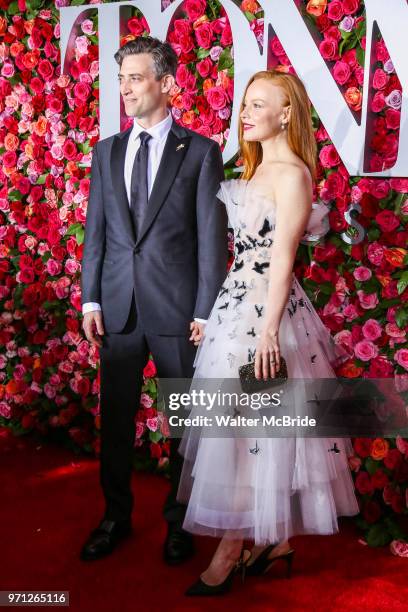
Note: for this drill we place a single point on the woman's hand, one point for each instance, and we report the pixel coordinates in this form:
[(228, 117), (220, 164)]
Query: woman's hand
[(267, 356)]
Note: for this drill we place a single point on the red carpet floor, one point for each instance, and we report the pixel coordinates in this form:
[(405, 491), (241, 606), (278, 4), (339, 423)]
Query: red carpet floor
[(50, 500)]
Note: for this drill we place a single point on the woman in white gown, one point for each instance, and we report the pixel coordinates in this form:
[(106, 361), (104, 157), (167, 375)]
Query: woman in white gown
[(293, 485)]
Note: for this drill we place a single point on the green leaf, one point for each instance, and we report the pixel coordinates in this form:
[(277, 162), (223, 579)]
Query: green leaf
[(155, 436), (41, 179), (13, 8), (202, 53), (402, 283), (14, 195), (360, 54), (401, 317), (371, 465), (378, 535), (225, 59), (249, 16), (80, 235), (73, 229)]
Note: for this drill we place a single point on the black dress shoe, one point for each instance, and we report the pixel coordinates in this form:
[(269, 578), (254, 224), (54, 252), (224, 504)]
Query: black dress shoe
[(178, 546), (104, 539)]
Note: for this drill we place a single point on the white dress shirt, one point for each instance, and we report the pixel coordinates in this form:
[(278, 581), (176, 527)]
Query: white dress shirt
[(158, 133)]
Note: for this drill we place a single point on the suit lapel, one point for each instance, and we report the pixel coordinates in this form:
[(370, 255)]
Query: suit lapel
[(118, 155), (173, 154)]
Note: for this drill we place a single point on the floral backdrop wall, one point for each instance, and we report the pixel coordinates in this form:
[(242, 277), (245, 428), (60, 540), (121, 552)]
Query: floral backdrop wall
[(48, 126)]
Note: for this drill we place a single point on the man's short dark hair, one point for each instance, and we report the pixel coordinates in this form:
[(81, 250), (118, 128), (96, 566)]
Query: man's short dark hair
[(165, 58)]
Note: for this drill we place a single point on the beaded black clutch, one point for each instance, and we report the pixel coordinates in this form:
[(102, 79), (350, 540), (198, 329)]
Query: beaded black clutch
[(250, 383)]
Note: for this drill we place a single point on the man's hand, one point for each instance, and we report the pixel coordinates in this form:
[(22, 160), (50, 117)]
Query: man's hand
[(197, 332), (93, 327)]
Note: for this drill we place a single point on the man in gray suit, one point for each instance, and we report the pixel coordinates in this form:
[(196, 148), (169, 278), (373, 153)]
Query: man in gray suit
[(154, 259)]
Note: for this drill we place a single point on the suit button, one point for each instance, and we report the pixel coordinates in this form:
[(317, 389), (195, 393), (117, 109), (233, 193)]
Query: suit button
[(136, 250)]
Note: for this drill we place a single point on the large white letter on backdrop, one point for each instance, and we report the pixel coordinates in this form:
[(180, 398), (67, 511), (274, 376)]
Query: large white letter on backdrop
[(347, 135)]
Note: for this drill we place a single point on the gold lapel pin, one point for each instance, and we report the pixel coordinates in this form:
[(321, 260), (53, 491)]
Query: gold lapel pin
[(180, 146)]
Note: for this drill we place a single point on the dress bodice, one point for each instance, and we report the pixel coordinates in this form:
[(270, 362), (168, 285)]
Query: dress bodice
[(252, 216)]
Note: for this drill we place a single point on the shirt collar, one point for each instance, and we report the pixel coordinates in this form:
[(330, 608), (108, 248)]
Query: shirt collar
[(158, 131)]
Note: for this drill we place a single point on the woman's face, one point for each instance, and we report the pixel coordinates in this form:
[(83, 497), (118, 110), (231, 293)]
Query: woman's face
[(264, 109)]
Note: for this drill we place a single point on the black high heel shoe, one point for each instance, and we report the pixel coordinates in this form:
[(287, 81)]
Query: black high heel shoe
[(202, 589), (263, 562)]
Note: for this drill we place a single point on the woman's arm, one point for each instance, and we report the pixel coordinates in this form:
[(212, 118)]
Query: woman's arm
[(293, 198)]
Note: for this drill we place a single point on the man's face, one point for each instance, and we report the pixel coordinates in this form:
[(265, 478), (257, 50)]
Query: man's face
[(142, 94)]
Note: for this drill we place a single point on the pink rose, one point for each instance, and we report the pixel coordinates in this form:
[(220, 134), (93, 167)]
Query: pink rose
[(354, 463), (392, 118), (341, 72), (5, 410), (204, 35), (399, 548), (378, 102), (336, 11), (152, 424), (401, 357), (402, 445), (328, 49), (380, 79), (204, 67), (350, 312), (226, 36), (139, 429), (365, 350), (362, 273), (217, 97), (375, 253), (371, 329), (367, 300), (329, 156)]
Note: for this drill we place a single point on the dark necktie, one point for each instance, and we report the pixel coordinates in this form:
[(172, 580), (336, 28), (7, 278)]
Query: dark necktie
[(138, 185)]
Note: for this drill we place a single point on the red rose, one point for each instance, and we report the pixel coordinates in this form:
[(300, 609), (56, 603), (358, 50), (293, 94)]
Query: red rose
[(137, 26), (82, 91), (363, 483), (155, 450), (69, 149), (9, 159), (392, 459), (226, 36), (392, 118), (195, 8), (276, 47), (45, 69), (150, 370), (397, 503), (351, 6), (387, 220), (182, 75), (371, 511), (379, 479), (363, 446)]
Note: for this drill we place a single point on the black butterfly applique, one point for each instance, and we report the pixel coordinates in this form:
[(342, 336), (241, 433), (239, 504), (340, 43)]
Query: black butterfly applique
[(255, 450), (239, 247), (223, 290), (239, 297), (224, 306), (251, 332), (238, 265), (259, 310), (294, 307), (260, 267), (266, 228), (335, 449)]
